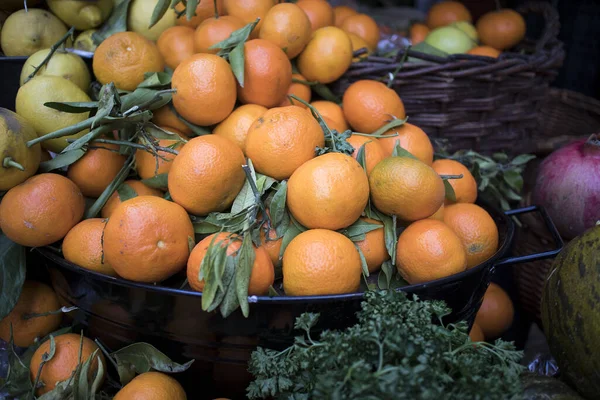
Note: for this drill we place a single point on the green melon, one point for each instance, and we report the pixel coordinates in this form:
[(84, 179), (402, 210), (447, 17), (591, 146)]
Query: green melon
[(571, 312), (541, 387)]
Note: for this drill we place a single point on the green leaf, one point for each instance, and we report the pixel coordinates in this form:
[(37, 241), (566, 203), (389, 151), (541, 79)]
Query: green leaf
[(291, 232), (391, 237), (81, 384), (245, 198), (236, 60), (160, 133), (326, 93), (190, 8), (63, 390), (224, 279), (522, 159), (108, 103), (450, 194), (117, 22), (277, 205), (229, 302), (361, 158), (394, 123), (500, 157), (73, 107), (400, 151), (12, 273), (424, 47), (98, 380), (18, 379), (142, 357), (243, 272), (159, 181), (126, 192), (89, 137), (513, 179), (363, 262), (110, 189), (160, 9), (386, 275), (62, 160), (236, 37), (145, 98), (156, 80), (212, 263), (360, 228)]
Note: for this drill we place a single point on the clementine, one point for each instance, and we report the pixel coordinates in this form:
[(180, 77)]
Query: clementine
[(418, 32), (83, 246), (137, 186), (501, 29), (412, 139), (204, 10), (363, 26), (299, 89), (97, 168), (152, 385), (373, 247), (248, 11), (287, 26), (165, 116), (175, 45), (214, 30), (446, 12), (465, 188), (373, 151), (327, 56), (496, 313), (152, 162), (334, 113), (485, 51), (319, 12), (235, 127), (340, 13)]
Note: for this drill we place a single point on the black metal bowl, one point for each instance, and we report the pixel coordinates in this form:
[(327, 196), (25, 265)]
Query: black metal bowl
[(120, 312)]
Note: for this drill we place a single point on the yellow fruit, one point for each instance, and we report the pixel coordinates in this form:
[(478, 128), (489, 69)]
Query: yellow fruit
[(467, 28), (24, 33), (82, 14), (140, 14), (30, 105), (84, 41), (15, 131), (67, 65)]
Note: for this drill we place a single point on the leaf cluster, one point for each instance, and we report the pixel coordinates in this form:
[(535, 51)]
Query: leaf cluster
[(398, 350)]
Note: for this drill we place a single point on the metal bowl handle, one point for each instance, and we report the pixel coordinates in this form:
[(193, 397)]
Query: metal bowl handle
[(558, 242)]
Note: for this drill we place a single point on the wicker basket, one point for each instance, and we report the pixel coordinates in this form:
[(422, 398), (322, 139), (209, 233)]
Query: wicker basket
[(565, 116), (476, 102)]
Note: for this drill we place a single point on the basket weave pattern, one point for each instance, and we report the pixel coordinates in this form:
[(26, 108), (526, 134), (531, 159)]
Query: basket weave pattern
[(476, 102)]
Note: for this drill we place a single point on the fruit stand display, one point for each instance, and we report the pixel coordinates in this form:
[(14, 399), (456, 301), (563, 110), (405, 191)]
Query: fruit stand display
[(253, 199)]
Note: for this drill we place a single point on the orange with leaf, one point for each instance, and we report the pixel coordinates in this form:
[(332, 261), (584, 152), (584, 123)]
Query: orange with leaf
[(97, 168), (204, 10), (333, 113), (411, 138), (158, 157), (214, 30), (465, 188), (138, 187), (373, 246), (373, 152), (248, 11)]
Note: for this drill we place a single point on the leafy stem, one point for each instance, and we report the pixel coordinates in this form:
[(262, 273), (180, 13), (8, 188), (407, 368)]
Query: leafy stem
[(55, 312), (53, 49), (135, 145)]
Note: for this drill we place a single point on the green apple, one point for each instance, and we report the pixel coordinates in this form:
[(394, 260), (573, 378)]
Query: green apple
[(450, 40)]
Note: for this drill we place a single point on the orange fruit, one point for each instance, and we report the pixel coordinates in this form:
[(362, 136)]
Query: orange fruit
[(152, 386), (204, 82), (373, 246), (363, 26), (327, 56), (446, 12), (214, 30), (501, 29), (236, 126), (166, 117), (340, 13), (248, 11), (334, 114), (149, 164), (486, 51), (475, 228), (83, 246), (147, 238), (287, 26), (271, 244), (204, 10), (321, 262), (429, 250), (373, 151), (175, 45), (263, 273), (97, 168), (496, 313), (476, 333), (465, 188), (138, 187), (35, 298), (207, 174), (418, 32), (124, 57), (407, 188), (319, 12), (65, 361), (267, 74), (412, 139), (357, 44), (283, 139), (439, 214), (41, 210), (300, 90), (329, 192), (368, 105)]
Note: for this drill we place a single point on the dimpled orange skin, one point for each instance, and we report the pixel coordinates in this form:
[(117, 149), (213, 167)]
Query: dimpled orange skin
[(139, 188), (368, 105), (152, 386), (328, 192), (321, 262), (205, 87), (214, 30), (475, 228), (236, 126), (83, 246), (501, 29), (429, 250), (146, 239), (373, 247), (334, 112), (319, 12), (373, 151), (35, 298), (176, 44), (407, 188), (496, 313), (283, 139), (41, 210), (96, 169), (204, 10), (412, 139), (363, 26), (298, 89), (65, 360), (340, 13), (263, 272), (267, 74), (288, 26), (327, 56), (124, 57), (446, 12), (248, 11), (207, 174), (465, 188)]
